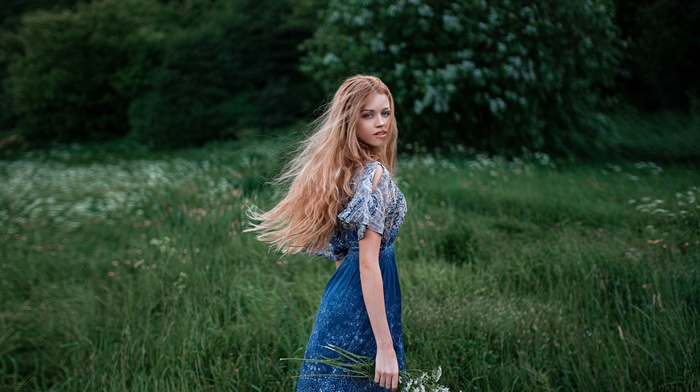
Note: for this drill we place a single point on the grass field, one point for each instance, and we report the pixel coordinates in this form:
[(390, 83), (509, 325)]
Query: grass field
[(129, 271)]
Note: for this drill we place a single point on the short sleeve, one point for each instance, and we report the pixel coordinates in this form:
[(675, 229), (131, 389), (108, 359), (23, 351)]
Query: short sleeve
[(366, 209)]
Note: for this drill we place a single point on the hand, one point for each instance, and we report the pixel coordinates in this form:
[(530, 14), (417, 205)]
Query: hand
[(386, 371)]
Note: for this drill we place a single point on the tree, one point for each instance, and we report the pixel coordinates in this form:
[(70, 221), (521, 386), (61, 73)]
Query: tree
[(76, 71), (659, 70), (498, 75), (10, 18), (237, 70)]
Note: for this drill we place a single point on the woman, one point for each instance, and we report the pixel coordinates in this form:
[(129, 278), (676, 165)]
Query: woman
[(343, 204)]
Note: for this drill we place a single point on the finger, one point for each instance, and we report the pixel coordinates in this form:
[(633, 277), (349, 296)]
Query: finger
[(383, 382), (376, 377), (387, 382), (395, 383)]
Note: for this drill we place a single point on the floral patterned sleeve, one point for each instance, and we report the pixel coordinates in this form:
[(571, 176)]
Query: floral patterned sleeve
[(367, 208)]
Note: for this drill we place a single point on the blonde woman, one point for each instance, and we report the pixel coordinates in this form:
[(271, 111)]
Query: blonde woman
[(344, 204)]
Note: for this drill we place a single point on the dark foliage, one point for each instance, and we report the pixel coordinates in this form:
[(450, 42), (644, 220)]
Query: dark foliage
[(234, 72), (497, 75), (74, 72), (660, 68)]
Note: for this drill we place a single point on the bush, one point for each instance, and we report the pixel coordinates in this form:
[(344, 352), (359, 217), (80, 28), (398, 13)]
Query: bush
[(457, 245), (111, 67), (181, 105), (235, 71), (497, 75), (10, 17), (658, 70), (76, 71)]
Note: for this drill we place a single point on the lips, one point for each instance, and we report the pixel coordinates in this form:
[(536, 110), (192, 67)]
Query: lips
[(381, 134)]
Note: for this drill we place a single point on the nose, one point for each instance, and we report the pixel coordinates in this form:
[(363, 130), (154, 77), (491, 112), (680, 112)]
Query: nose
[(380, 121)]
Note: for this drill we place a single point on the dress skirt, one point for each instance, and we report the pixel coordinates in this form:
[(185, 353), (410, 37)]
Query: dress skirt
[(343, 321)]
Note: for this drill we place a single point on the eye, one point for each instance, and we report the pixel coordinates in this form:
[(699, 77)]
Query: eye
[(386, 114), (367, 115)]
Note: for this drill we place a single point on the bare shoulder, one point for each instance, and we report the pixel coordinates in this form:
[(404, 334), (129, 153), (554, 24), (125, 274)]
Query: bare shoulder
[(377, 176)]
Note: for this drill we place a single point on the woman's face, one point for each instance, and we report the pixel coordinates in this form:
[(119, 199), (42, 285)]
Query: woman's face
[(375, 117)]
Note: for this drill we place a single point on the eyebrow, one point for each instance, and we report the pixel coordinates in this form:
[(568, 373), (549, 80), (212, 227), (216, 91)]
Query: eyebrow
[(371, 110)]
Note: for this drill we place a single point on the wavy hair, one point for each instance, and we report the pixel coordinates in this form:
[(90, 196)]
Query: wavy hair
[(320, 173)]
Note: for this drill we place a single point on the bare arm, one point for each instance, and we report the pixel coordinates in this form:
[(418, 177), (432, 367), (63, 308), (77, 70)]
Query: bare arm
[(386, 372)]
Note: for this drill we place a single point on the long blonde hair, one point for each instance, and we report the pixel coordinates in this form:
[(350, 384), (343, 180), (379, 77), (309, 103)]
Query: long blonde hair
[(321, 172)]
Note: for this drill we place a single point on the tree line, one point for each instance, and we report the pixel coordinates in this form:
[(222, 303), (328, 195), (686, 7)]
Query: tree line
[(494, 75)]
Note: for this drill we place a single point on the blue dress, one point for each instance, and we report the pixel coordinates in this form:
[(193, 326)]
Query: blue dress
[(342, 318)]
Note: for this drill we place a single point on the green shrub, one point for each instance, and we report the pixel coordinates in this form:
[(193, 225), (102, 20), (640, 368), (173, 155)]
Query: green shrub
[(658, 71), (236, 71), (182, 103), (12, 10), (497, 75), (176, 73), (76, 71), (457, 245)]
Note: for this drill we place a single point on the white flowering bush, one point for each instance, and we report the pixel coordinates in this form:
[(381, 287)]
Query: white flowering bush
[(491, 74)]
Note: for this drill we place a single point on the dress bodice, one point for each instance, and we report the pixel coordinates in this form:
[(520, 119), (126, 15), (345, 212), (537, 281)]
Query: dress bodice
[(382, 210)]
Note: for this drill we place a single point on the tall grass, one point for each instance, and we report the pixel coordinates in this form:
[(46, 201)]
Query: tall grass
[(131, 272)]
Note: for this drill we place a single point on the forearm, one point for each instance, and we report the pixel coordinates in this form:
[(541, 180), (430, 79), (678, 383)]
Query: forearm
[(373, 293)]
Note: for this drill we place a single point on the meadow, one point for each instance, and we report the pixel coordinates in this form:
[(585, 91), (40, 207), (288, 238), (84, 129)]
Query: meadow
[(127, 270)]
